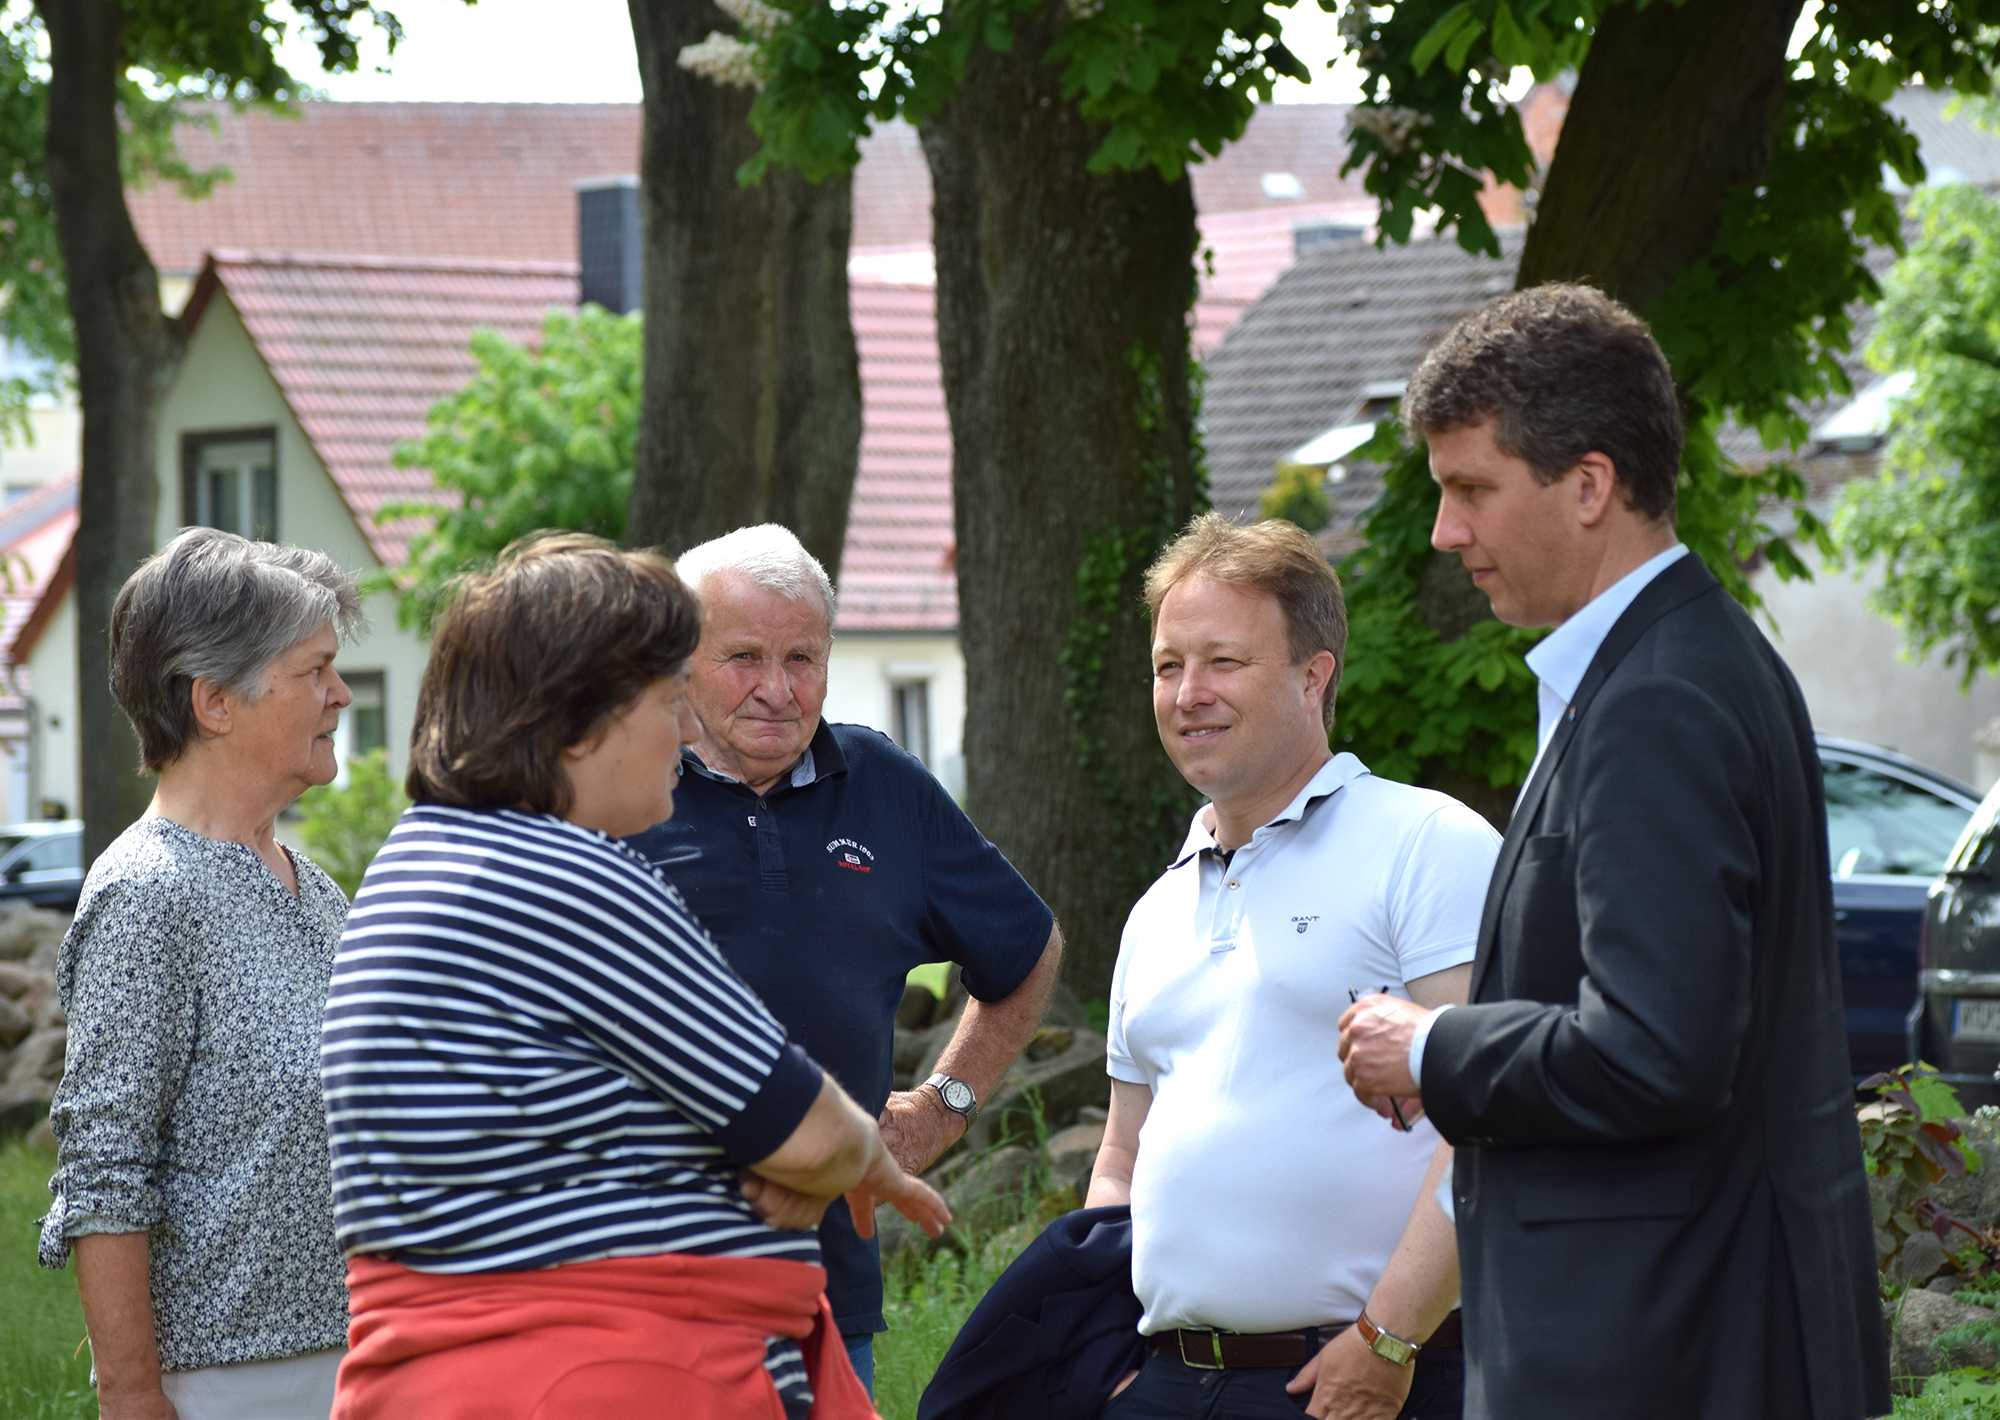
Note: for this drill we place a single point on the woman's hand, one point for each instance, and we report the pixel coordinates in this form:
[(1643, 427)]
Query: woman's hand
[(780, 1206), (885, 1182)]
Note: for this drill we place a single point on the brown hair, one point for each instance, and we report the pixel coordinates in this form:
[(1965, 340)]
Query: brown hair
[(1274, 557), (1563, 371), (536, 655)]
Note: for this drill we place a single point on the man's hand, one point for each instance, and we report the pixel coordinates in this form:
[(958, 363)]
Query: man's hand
[(142, 1405), (1375, 1034), (780, 1206), (886, 1182), (1350, 1382), (917, 1127)]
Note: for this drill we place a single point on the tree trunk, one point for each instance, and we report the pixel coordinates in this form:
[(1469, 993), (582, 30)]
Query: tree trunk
[(1062, 325), (752, 406), (127, 349), (1675, 106)]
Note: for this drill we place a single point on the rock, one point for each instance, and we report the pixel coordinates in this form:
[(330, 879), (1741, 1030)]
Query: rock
[(50, 1013), (1047, 1043), (1066, 1081), (24, 930), (43, 957), (17, 981), (898, 1234), (1922, 1319), (1921, 1257), (21, 1108), (1975, 1197), (1065, 1008), (15, 1022), (39, 1057), (1072, 1154), (995, 1190), (42, 1137), (935, 1040), (919, 1008), (908, 1053), (1091, 1114)]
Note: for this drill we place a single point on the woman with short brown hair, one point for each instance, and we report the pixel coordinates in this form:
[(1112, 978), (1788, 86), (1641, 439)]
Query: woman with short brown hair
[(542, 1081)]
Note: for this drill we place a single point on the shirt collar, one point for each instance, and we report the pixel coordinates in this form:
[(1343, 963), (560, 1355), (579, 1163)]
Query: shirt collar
[(1561, 658), (1333, 776), (822, 760)]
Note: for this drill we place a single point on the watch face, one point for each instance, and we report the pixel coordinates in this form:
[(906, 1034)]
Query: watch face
[(957, 1094)]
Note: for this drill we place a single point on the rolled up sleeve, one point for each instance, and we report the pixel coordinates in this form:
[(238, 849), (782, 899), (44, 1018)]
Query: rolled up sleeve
[(132, 1021)]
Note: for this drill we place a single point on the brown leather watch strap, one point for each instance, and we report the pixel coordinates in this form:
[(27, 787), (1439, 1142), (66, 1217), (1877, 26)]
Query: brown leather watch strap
[(1227, 1350)]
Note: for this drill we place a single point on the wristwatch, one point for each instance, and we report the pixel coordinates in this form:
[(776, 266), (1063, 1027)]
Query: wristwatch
[(1393, 1349), (958, 1096)]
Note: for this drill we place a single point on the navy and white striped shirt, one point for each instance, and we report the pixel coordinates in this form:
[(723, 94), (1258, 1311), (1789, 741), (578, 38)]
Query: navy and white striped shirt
[(533, 1054)]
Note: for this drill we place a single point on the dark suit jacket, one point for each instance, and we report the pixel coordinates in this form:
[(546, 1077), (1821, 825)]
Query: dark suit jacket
[(1660, 1198), (1053, 1334)]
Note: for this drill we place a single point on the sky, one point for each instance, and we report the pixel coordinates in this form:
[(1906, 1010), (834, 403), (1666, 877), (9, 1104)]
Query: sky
[(508, 51)]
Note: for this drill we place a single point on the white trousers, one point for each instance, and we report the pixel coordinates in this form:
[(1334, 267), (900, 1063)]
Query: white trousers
[(296, 1388)]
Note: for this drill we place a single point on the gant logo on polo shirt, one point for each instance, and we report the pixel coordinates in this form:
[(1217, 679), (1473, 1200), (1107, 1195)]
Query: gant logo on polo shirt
[(849, 854), (1301, 923)]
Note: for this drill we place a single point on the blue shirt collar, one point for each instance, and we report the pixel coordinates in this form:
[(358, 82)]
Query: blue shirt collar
[(821, 760), (1560, 659)]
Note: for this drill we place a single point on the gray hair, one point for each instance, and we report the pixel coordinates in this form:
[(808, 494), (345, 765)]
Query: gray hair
[(217, 607), (770, 557)]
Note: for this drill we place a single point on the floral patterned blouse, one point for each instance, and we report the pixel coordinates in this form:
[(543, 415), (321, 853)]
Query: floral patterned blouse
[(189, 1107)]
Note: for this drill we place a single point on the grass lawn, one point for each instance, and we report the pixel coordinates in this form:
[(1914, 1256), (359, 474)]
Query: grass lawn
[(925, 1303), (42, 1376)]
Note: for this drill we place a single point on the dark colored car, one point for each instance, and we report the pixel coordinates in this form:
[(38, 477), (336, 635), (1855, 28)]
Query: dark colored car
[(1890, 825), (42, 863), (1957, 1027)]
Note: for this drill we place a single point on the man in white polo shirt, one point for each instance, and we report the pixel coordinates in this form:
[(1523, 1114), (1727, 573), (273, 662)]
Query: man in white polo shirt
[(1284, 1242)]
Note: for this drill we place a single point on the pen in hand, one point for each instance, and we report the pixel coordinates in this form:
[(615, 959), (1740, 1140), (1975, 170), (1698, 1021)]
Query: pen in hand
[(1394, 1108)]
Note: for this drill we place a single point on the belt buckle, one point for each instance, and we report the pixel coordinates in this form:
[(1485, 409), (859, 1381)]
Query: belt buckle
[(1215, 1344)]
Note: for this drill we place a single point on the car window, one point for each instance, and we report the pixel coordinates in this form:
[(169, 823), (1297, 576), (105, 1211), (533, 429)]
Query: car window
[(63, 850), (1877, 825)]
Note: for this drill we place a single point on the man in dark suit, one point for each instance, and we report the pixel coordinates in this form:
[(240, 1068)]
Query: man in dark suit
[(1658, 1188)]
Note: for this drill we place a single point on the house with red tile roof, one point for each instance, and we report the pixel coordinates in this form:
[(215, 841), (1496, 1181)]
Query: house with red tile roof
[(335, 280)]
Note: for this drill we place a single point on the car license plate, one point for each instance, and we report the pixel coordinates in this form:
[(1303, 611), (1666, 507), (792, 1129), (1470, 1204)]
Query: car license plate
[(1976, 1020)]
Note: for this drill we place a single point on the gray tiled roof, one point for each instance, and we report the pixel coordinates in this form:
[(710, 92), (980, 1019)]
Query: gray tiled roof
[(1347, 315), (1342, 317)]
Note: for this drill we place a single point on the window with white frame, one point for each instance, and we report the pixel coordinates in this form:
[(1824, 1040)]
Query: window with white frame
[(230, 481), (910, 716), (364, 725)]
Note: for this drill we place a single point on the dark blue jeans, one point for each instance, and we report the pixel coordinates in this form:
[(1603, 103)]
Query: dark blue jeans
[(861, 1355), (1170, 1389)]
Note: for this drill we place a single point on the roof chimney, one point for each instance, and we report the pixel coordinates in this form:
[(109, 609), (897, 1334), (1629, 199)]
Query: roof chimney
[(607, 242)]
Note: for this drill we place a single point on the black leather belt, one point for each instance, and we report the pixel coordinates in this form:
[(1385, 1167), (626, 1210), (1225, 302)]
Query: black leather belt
[(1229, 1350)]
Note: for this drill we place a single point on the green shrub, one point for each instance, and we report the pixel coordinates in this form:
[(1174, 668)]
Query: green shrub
[(1299, 495), (345, 825), (1967, 1394)]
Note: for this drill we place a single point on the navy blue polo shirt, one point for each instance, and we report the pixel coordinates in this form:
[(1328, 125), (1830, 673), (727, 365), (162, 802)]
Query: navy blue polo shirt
[(823, 892)]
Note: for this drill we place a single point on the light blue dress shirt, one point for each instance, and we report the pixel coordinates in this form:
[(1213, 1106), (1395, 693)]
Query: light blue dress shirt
[(1560, 661)]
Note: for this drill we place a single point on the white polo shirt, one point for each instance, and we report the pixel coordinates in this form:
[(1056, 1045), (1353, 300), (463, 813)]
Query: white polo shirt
[(1265, 1196)]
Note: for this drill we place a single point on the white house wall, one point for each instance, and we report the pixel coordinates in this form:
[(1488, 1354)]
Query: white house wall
[(52, 708), (1858, 685), (862, 670), (224, 385)]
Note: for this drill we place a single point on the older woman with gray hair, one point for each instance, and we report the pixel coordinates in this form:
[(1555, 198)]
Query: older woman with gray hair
[(192, 1182)]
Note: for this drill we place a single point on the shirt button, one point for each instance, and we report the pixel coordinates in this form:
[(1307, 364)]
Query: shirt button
[(1234, 884)]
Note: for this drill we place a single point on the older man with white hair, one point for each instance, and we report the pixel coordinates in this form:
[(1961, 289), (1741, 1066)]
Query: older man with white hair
[(827, 862)]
